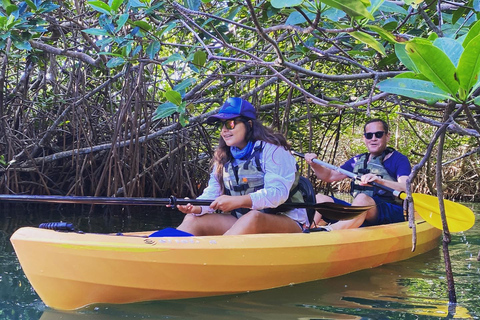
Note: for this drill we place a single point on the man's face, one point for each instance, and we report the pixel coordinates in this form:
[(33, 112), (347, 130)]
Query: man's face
[(376, 145)]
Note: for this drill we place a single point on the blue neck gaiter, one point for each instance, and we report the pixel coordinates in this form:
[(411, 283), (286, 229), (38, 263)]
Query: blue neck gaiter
[(243, 153)]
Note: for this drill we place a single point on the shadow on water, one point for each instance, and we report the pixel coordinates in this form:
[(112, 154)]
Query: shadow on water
[(411, 289)]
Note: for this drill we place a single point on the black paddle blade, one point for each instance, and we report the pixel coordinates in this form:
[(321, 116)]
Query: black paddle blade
[(335, 211), (330, 210)]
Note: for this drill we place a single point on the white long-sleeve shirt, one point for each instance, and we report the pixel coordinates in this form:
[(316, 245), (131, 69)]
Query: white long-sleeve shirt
[(279, 167)]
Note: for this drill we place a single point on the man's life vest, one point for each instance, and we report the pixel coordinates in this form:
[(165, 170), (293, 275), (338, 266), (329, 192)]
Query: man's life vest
[(375, 166), (247, 176)]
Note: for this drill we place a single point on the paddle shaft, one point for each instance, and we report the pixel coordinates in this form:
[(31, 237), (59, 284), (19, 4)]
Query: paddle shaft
[(396, 193), (172, 201)]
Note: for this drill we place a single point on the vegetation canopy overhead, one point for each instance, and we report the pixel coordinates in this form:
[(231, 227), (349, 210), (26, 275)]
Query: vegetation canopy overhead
[(109, 97)]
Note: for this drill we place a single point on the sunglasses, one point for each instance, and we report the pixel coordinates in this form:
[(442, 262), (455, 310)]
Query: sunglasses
[(378, 134), (229, 124)]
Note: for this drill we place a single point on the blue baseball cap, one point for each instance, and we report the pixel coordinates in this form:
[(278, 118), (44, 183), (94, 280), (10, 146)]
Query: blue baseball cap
[(232, 108)]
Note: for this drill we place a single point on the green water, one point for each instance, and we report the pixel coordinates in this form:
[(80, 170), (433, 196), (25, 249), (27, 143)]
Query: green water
[(412, 289)]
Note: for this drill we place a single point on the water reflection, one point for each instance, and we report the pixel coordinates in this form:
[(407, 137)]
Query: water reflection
[(412, 289)]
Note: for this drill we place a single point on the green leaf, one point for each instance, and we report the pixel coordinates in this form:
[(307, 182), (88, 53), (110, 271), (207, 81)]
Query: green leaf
[(404, 58), (334, 14), (116, 4), (153, 49), (11, 8), (297, 18), (453, 49), (415, 89), (122, 19), (111, 54), (6, 3), (164, 110), (22, 45), (143, 25), (368, 40), (101, 7), (469, 65), (353, 8), (389, 7), (185, 84), (136, 4), (411, 75), (472, 33), (115, 62), (169, 27), (476, 101), (199, 58), (174, 97), (193, 4), (96, 32), (183, 119), (390, 59), (174, 57), (279, 4), (382, 33), (434, 64), (374, 6)]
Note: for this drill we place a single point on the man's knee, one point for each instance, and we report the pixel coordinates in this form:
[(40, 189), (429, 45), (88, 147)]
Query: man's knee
[(363, 200)]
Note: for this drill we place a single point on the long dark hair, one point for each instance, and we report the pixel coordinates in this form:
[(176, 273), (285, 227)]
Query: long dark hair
[(255, 131)]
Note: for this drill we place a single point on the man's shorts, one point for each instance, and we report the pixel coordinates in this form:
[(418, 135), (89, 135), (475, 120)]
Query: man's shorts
[(387, 212)]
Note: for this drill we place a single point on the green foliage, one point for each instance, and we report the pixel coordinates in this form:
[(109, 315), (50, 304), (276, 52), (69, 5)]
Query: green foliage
[(451, 69), (23, 22), (174, 104), (369, 40)]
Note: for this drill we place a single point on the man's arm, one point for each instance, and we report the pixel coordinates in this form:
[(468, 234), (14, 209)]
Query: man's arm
[(322, 173)]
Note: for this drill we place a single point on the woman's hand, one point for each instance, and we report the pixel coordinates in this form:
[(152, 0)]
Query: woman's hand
[(189, 208), (228, 203)]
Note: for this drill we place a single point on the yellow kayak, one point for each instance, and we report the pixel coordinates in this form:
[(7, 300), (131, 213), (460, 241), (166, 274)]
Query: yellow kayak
[(71, 270)]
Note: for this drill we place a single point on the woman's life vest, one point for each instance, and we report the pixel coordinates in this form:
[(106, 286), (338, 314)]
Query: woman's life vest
[(375, 166), (247, 176)]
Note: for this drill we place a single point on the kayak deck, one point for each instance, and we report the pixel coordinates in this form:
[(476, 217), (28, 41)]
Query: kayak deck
[(72, 270)]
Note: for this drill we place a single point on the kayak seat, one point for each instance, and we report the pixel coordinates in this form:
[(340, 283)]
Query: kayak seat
[(306, 189)]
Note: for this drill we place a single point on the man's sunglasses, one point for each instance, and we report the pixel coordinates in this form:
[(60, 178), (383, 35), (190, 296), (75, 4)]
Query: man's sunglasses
[(229, 124), (378, 134)]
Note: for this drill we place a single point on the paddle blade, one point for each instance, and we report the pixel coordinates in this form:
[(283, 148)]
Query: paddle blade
[(335, 211), (459, 217)]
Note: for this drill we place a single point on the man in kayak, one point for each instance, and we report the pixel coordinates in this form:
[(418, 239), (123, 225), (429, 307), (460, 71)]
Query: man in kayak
[(381, 164), (253, 173)]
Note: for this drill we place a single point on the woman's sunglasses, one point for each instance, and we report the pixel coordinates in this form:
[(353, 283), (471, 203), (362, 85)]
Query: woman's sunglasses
[(378, 134), (229, 124)]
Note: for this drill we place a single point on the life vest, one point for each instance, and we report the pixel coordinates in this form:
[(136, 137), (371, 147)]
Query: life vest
[(375, 166), (247, 176)]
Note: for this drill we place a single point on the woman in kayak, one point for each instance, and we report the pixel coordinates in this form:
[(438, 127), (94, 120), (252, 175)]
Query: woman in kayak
[(253, 173)]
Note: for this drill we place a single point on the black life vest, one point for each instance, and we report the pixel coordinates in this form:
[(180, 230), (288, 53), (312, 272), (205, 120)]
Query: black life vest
[(375, 166)]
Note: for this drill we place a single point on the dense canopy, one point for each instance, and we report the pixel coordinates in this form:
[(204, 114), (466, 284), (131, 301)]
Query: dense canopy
[(109, 97)]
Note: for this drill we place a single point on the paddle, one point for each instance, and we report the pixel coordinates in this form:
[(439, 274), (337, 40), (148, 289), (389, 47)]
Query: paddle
[(459, 217), (330, 210)]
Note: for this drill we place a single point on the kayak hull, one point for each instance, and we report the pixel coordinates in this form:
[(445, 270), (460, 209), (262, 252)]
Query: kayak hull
[(71, 270)]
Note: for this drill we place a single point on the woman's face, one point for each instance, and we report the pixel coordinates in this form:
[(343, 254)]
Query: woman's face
[(234, 132)]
